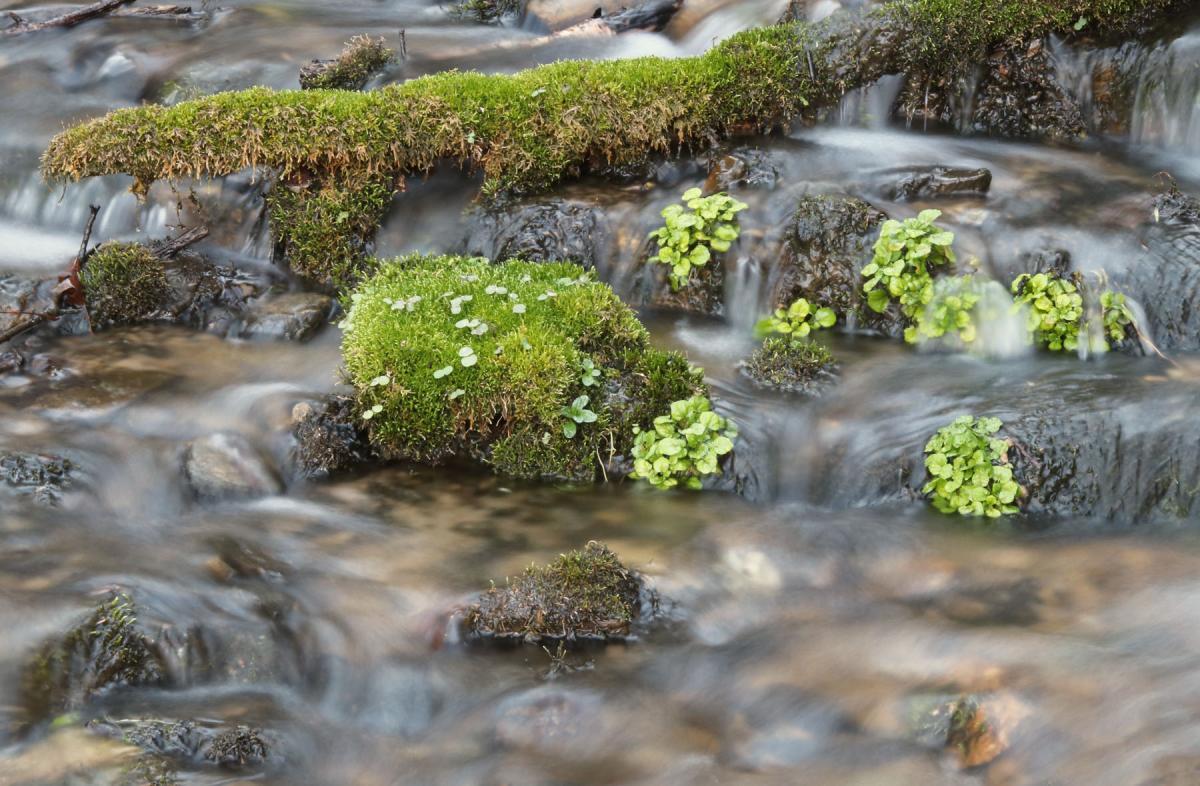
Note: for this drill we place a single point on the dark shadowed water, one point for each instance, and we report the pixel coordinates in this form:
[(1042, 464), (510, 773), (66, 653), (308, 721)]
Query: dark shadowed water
[(800, 629)]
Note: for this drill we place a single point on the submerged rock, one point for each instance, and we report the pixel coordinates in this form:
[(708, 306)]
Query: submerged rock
[(105, 651), (190, 743), (40, 475), (329, 438), (294, 316), (550, 230), (828, 242), (932, 182), (586, 594), (975, 728), (224, 466), (791, 367), (746, 167)]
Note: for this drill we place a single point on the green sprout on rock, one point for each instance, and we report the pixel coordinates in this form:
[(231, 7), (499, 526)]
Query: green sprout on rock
[(689, 237), (797, 321), (591, 374), (683, 446), (969, 472), (1055, 309), (950, 311), (576, 414), (905, 255)]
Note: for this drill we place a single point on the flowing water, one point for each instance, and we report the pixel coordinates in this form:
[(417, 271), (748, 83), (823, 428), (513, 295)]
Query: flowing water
[(802, 623)]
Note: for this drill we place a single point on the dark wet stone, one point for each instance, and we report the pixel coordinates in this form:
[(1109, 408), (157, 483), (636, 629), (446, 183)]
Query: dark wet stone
[(224, 466), (704, 293), (104, 651), (40, 475), (1175, 207), (586, 594), (1165, 277), (932, 182), (237, 558), (554, 230), (828, 241), (206, 296), (328, 437), (745, 167), (11, 361), (295, 316), (1002, 603)]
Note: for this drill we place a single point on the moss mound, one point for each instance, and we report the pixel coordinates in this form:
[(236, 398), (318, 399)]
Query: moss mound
[(103, 651), (124, 284), (362, 58), (534, 368), (790, 366), (585, 594)]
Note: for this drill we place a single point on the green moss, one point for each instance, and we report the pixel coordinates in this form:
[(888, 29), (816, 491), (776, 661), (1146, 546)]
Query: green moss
[(362, 58), (487, 10), (104, 650), (124, 283), (460, 357), (791, 366), (583, 594), (324, 231)]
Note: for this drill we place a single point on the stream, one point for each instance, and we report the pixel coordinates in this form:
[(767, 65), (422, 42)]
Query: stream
[(805, 621)]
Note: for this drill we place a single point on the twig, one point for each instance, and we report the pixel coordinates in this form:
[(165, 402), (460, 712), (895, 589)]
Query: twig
[(166, 249), (155, 11), (69, 19), (20, 327)]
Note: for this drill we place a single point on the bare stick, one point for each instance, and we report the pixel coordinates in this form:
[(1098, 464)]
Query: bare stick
[(165, 249), (69, 19)]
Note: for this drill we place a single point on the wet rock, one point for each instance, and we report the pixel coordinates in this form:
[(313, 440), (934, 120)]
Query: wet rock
[(11, 361), (552, 721), (1017, 96), (238, 559), (704, 293), (1016, 602), (225, 466), (295, 316), (195, 744), (105, 651), (827, 243), (328, 437), (747, 167), (1175, 207), (42, 476), (586, 594), (21, 296), (780, 364), (101, 392), (1165, 277), (237, 747), (208, 297), (976, 729), (553, 230), (932, 182), (561, 14)]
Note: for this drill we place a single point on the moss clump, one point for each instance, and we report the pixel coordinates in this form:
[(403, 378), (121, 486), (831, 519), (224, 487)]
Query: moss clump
[(790, 366), (453, 356), (124, 284), (324, 231), (362, 58), (238, 747), (487, 10), (585, 594), (103, 651)]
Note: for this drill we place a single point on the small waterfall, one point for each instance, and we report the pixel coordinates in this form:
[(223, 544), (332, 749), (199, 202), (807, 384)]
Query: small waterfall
[(871, 106), (745, 300)]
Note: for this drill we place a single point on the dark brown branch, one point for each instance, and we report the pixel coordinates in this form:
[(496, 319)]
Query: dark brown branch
[(67, 20), (165, 249)]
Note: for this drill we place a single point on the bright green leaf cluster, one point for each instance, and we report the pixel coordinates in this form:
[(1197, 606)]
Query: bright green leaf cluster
[(1055, 309), (683, 446), (797, 320), (968, 468), (905, 254), (950, 311), (690, 236), (1117, 316)]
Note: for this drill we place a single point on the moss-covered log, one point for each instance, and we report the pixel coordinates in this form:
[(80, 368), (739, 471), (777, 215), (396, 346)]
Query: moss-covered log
[(529, 130)]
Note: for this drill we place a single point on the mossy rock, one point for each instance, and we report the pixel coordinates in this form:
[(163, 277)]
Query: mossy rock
[(487, 10), (362, 58), (104, 651), (457, 357), (124, 284), (584, 594), (790, 366)]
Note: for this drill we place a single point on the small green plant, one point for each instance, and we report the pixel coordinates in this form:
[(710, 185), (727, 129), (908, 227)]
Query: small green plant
[(683, 446), (1055, 309), (1118, 318), (690, 236), (905, 254), (576, 413), (790, 365), (950, 311), (968, 468), (797, 321), (590, 374)]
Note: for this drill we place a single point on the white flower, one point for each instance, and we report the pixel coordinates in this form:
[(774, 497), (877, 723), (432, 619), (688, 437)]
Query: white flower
[(372, 412), (518, 308), (382, 379), (456, 393), (443, 371)]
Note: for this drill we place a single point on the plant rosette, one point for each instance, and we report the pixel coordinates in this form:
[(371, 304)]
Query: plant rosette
[(693, 233), (1055, 309), (797, 321), (683, 446), (968, 468), (904, 257)]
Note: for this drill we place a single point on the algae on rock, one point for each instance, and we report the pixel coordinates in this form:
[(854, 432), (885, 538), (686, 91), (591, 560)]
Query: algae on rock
[(584, 594), (458, 357)]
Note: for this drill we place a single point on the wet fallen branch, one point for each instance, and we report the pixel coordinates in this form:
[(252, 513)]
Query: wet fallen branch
[(71, 19)]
